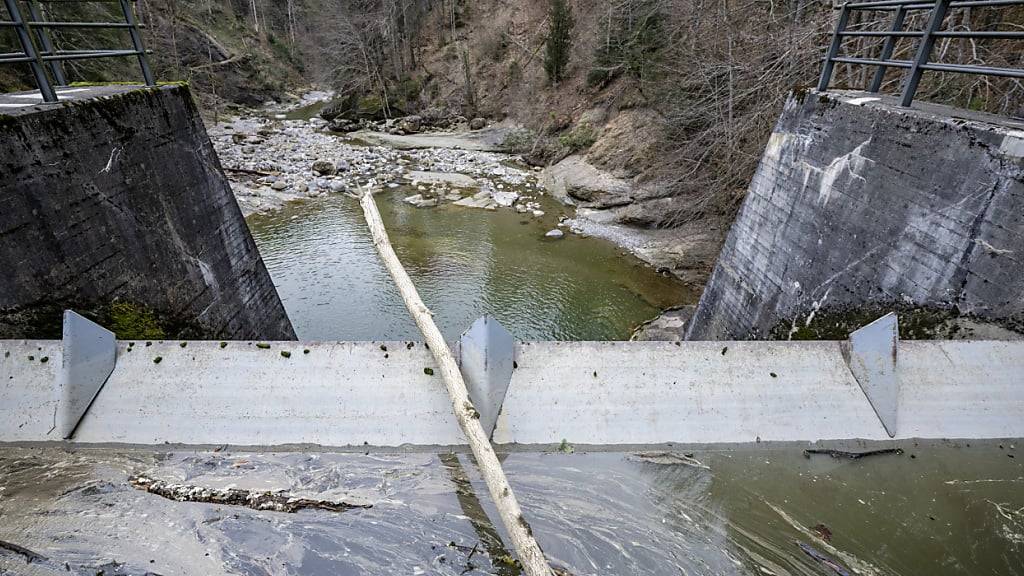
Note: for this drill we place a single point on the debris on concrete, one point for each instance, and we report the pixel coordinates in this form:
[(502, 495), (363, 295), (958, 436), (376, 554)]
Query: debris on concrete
[(851, 455), (276, 501)]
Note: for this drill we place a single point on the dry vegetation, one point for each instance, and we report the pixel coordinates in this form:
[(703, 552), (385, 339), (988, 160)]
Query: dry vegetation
[(680, 94)]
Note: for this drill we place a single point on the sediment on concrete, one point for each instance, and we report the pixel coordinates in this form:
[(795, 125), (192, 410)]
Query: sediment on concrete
[(860, 203), (122, 199)]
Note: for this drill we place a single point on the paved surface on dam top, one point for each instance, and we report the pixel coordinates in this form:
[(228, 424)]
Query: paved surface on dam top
[(16, 103), (930, 109), (937, 508)]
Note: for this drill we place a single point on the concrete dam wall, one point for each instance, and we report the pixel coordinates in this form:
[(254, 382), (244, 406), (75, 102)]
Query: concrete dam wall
[(859, 204), (121, 199)]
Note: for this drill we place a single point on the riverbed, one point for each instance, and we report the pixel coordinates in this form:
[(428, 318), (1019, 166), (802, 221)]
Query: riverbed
[(508, 252)]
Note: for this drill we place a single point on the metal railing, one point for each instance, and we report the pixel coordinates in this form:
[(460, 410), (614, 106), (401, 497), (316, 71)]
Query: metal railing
[(42, 56), (922, 60)]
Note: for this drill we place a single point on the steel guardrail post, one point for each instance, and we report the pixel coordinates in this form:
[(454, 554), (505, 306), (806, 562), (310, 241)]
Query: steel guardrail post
[(36, 62), (924, 51), (133, 30), (833, 50), (56, 67), (887, 49)]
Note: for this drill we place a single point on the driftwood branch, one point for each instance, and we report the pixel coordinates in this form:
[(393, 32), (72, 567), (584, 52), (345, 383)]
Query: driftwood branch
[(28, 555), (852, 455), (257, 500), (246, 171), (530, 554)]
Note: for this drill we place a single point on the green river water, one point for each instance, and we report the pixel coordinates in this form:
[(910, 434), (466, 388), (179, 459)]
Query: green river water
[(465, 263)]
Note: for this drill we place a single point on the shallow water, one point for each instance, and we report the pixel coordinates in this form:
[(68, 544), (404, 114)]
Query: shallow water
[(465, 263), (940, 508)]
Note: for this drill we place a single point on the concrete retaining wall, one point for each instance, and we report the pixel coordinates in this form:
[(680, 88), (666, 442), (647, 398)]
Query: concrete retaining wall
[(858, 202), (122, 198)]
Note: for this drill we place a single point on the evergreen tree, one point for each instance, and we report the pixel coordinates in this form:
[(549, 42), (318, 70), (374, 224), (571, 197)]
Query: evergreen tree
[(559, 40)]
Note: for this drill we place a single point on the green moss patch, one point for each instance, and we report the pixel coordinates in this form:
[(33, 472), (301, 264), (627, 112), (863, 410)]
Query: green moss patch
[(130, 321)]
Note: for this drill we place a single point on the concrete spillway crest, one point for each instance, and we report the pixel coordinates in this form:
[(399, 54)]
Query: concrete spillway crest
[(88, 359), (872, 360)]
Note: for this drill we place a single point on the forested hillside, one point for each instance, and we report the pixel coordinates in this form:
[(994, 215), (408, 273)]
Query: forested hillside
[(677, 95)]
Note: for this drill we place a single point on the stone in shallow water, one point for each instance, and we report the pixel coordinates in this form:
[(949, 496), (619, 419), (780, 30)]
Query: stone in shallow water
[(505, 199), (555, 233), (449, 178), (419, 201), (473, 202)]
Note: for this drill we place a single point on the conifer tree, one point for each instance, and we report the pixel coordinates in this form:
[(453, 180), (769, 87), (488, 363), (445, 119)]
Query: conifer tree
[(559, 42)]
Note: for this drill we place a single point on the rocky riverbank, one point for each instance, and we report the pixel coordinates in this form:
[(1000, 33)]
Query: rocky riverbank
[(271, 161)]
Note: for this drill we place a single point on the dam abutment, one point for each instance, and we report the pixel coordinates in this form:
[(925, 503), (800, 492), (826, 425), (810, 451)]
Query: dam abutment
[(114, 202), (859, 204)]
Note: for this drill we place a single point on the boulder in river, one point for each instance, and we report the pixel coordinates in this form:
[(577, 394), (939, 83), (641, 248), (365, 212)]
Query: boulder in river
[(554, 233), (410, 124), (419, 201), (484, 202), (450, 178), (324, 167), (574, 179), (505, 198)]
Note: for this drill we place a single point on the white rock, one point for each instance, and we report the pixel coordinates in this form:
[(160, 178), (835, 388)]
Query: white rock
[(538, 213), (449, 178), (554, 233), (505, 199)]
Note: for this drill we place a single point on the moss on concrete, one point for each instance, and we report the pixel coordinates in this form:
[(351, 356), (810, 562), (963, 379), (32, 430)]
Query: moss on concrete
[(929, 323), (130, 321)]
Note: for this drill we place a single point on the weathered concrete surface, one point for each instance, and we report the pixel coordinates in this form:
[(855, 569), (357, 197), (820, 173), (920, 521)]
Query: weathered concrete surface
[(348, 394), (858, 202), (122, 198)]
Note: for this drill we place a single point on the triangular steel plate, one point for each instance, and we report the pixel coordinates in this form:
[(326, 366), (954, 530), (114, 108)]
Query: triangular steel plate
[(872, 360), (485, 355), (89, 355)]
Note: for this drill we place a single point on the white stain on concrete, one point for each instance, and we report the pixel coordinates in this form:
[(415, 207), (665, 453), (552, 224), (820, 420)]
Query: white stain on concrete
[(992, 249), (773, 150), (1013, 144), (851, 164), (114, 155), (816, 305), (862, 101)]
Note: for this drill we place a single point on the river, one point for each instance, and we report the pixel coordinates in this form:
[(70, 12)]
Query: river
[(466, 262)]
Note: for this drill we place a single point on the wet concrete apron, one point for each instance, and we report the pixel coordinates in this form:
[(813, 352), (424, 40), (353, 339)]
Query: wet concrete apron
[(941, 508)]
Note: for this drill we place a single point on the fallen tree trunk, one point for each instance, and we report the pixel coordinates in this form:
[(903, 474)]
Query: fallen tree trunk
[(529, 552)]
